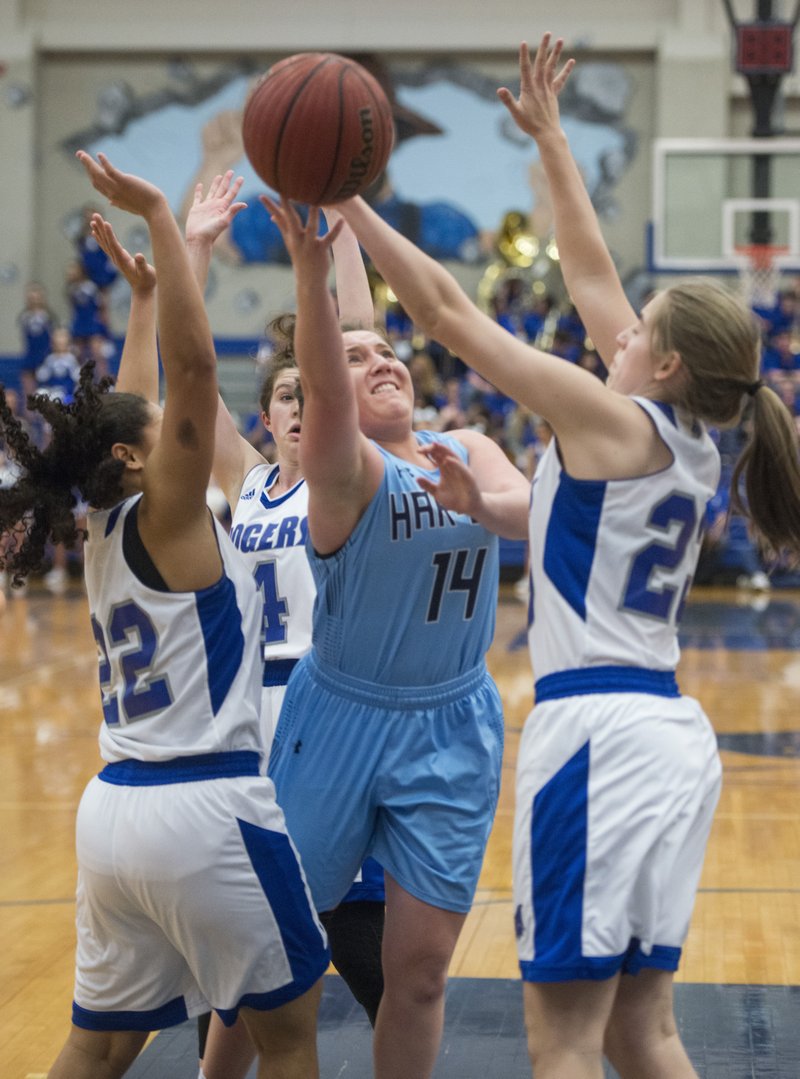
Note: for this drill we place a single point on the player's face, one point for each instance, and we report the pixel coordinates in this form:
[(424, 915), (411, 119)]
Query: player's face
[(283, 419), (382, 383), (633, 365)]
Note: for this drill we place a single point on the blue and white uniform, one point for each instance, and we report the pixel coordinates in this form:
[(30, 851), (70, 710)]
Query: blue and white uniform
[(85, 300), (181, 826), (270, 532), (36, 327), (391, 731), (57, 375), (618, 774), (98, 266)]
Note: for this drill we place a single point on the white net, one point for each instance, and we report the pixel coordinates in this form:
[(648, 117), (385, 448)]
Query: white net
[(759, 274)]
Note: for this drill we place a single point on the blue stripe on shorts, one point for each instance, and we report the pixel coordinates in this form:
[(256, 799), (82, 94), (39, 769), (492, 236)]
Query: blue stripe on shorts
[(168, 1015), (558, 859), (559, 835), (278, 872), (611, 679), (277, 671), (135, 773)]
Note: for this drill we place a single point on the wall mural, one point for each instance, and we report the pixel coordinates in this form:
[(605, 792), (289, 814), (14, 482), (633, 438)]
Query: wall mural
[(459, 164), (459, 167)]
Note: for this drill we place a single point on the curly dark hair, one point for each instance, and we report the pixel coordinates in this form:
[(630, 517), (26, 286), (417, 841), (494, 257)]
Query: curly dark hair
[(39, 506)]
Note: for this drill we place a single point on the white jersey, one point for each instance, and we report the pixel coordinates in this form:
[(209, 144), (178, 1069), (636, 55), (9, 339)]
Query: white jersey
[(178, 673), (611, 561), (270, 533)]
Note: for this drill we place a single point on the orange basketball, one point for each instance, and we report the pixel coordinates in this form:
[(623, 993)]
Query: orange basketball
[(318, 128)]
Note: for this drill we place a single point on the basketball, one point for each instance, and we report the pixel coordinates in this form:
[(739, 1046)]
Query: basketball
[(318, 128)]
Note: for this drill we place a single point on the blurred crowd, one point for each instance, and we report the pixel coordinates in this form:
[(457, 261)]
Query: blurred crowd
[(447, 394)]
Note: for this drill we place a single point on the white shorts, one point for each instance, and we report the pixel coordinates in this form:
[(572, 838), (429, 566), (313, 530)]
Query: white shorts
[(271, 702), (190, 897), (273, 690), (615, 797)]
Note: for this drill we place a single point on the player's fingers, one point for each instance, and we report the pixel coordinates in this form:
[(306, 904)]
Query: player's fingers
[(107, 167), (94, 171), (510, 102), (436, 450), (563, 75), (540, 58), (525, 66), (275, 208), (553, 57), (104, 235), (334, 231), (235, 187)]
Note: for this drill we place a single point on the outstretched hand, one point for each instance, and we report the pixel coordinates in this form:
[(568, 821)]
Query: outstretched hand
[(309, 251), (211, 214), (122, 189), (456, 490), (541, 81), (136, 270)]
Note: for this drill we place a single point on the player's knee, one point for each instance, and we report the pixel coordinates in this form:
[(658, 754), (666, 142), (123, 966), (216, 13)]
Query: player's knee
[(421, 977), (630, 1040), (110, 1053)]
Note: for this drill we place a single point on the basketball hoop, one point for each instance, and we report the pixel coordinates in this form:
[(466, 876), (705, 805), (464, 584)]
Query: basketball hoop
[(760, 273)]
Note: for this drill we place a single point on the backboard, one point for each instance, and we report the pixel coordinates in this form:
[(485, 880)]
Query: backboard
[(704, 209)]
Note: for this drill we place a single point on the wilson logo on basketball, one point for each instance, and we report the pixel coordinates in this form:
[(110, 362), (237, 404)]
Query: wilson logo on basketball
[(318, 129), (359, 166)]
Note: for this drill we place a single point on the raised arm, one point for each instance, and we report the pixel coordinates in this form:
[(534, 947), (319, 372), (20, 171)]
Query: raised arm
[(138, 365), (602, 433), (589, 272), (208, 218), (342, 468), (438, 305), (353, 294), (173, 519)]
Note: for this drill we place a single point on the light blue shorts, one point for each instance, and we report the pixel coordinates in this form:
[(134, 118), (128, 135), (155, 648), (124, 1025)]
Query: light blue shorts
[(408, 775)]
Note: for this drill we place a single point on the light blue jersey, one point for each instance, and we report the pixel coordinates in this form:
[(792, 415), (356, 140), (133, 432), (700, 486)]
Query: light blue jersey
[(410, 598), (390, 738), (270, 532)]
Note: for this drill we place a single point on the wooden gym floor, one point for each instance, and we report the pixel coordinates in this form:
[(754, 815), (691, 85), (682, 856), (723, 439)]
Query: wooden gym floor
[(741, 658)]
